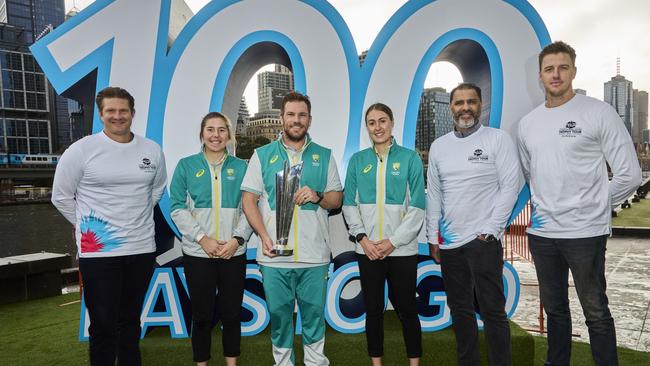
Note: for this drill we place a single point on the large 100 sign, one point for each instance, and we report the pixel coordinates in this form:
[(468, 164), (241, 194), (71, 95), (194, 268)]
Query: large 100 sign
[(178, 70)]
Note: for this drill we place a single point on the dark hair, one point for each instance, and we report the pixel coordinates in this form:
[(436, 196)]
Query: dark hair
[(114, 92), (466, 86), (379, 107), (294, 96), (211, 115), (557, 47)]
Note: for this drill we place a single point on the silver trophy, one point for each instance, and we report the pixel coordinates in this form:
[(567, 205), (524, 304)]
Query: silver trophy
[(287, 182)]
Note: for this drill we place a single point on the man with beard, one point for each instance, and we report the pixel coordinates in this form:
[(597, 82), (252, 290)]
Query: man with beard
[(564, 145), (473, 181), (302, 276)]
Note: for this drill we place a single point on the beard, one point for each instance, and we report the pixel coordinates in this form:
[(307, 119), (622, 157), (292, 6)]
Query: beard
[(464, 124), (295, 137)]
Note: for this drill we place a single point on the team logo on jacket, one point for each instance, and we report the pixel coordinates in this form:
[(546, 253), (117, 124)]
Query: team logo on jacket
[(230, 174), (199, 173), (367, 168), (274, 159), (570, 130), (396, 166), (315, 160), (147, 166), (478, 156)]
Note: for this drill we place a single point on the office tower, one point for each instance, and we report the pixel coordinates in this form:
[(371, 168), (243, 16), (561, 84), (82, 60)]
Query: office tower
[(37, 18), (272, 87), (27, 123), (640, 122), (434, 117), (243, 117), (618, 93)]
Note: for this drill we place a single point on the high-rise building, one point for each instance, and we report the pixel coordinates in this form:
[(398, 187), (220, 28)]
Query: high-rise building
[(272, 87), (618, 93), (640, 123), (26, 120), (580, 91), (434, 117), (243, 116), (37, 18)]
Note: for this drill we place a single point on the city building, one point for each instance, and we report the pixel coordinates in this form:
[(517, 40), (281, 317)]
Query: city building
[(243, 117), (580, 91), (27, 123), (362, 57), (434, 117), (618, 93), (264, 124), (640, 101), (646, 136), (37, 18), (272, 87)]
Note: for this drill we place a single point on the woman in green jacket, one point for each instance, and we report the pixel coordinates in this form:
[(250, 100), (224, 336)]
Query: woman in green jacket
[(206, 209), (383, 205)]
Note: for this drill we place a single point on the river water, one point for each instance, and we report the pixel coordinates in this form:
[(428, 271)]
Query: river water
[(33, 228)]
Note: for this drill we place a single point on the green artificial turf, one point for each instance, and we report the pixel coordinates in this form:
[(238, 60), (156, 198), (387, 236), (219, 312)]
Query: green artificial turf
[(41, 332), (636, 216)]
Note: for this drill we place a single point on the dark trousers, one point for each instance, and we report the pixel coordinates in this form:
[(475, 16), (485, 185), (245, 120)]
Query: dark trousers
[(401, 273), (204, 276), (114, 290), (585, 257), (477, 267)]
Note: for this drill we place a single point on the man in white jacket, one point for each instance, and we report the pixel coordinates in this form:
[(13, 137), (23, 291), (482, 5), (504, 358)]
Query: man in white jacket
[(473, 180), (564, 145), (107, 185)]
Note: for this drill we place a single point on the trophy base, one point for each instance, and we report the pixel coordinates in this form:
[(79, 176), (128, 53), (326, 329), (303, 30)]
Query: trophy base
[(282, 252)]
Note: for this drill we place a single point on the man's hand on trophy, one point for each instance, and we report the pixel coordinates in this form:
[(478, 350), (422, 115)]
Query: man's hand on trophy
[(210, 246), (305, 195), (267, 246)]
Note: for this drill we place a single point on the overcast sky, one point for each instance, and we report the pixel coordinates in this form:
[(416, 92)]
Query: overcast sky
[(599, 30)]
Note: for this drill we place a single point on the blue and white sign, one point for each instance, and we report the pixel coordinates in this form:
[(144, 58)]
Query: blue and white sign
[(176, 78)]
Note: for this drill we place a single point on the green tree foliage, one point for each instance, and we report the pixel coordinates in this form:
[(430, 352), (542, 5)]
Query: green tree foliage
[(246, 146)]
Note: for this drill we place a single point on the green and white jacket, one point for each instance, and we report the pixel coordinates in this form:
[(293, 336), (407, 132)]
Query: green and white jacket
[(384, 198), (309, 232), (207, 201)]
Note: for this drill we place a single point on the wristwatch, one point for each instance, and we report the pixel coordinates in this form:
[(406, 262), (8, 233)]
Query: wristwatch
[(320, 197), (240, 240), (489, 238), (360, 237)]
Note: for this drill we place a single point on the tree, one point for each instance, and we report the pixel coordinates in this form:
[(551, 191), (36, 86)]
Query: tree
[(246, 146)]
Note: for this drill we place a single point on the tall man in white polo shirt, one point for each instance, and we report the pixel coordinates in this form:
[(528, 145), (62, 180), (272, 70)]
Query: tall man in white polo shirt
[(564, 145), (473, 180), (107, 185), (301, 277)]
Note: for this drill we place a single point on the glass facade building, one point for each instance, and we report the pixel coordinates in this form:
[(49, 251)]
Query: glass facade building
[(272, 87), (36, 18), (25, 112), (618, 93), (434, 117)]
